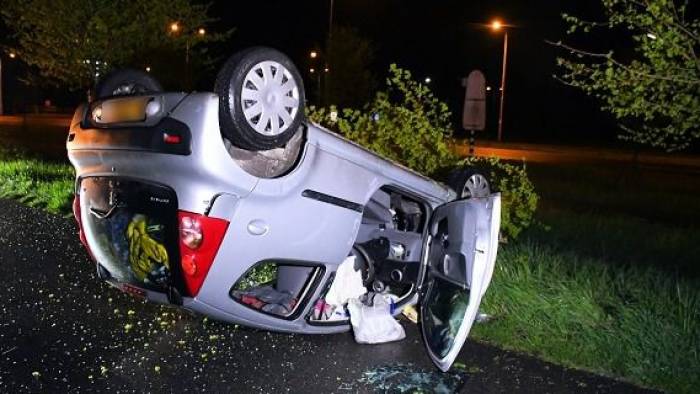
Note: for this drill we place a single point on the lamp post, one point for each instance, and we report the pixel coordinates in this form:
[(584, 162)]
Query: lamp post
[(330, 19), (2, 109), (315, 61), (497, 25), (327, 83), (200, 32)]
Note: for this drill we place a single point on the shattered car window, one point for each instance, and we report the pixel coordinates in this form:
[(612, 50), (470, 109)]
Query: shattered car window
[(444, 309)]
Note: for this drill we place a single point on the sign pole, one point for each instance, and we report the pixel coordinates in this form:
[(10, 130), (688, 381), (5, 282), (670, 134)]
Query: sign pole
[(474, 111), (1, 108), (472, 143), (503, 87)]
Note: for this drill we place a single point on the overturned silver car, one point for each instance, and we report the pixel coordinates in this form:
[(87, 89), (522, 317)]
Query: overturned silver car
[(187, 198)]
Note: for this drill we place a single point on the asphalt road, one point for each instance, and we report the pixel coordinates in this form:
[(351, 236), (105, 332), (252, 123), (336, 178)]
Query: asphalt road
[(63, 331)]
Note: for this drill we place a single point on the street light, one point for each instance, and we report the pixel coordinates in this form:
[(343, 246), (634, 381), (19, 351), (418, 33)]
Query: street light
[(318, 67), (12, 55), (428, 80), (496, 26), (201, 32)]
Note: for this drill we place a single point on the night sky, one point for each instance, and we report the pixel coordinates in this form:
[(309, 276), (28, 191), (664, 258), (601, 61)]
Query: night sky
[(442, 40)]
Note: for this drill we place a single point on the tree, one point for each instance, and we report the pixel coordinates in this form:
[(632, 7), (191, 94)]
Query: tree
[(349, 83), (654, 91), (73, 42)]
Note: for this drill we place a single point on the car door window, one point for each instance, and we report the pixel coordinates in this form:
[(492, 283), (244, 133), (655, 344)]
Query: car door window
[(445, 308)]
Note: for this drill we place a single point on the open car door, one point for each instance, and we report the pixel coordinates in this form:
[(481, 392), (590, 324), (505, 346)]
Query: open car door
[(462, 242)]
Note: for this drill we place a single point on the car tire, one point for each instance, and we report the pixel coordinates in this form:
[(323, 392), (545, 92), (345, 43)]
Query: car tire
[(261, 99), (126, 82), (469, 182)]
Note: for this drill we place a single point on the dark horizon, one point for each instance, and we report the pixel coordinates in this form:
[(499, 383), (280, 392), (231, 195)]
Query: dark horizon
[(445, 42)]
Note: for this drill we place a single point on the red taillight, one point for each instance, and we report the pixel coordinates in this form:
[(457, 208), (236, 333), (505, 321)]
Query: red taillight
[(200, 238), (81, 234), (171, 138)]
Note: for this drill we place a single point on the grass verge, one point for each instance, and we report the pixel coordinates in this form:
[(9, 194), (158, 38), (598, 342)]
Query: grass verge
[(637, 323), (613, 284), (36, 182)]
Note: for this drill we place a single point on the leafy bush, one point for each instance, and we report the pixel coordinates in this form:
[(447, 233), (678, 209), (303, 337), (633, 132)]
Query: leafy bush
[(405, 123), (518, 197)]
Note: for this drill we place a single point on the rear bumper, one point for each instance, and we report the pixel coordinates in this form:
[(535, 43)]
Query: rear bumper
[(150, 295)]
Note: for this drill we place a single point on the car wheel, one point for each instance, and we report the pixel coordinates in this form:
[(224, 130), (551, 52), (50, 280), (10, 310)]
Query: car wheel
[(261, 99), (469, 183), (127, 82)]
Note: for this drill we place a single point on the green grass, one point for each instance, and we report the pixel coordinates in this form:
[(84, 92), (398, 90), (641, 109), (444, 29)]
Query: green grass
[(36, 182), (634, 322), (656, 195), (609, 281), (621, 239)]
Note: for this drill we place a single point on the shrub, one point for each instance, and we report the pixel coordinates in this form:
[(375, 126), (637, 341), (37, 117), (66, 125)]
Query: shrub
[(405, 123)]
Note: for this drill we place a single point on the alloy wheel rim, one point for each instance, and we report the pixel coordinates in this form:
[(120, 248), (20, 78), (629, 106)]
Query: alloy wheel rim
[(476, 187)]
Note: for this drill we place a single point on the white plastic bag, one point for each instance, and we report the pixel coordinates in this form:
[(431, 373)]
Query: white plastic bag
[(374, 324), (346, 285)]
